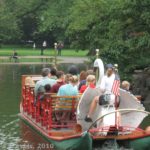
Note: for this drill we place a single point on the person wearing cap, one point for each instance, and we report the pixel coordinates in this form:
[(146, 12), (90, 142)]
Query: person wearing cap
[(39, 86), (106, 87)]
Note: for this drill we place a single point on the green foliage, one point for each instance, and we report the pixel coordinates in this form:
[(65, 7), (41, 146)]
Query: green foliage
[(8, 23), (119, 28), (54, 18)]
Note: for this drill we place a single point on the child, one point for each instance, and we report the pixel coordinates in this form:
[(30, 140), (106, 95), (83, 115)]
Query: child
[(90, 82)]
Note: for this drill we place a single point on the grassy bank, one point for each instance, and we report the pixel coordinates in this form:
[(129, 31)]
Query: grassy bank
[(22, 51)]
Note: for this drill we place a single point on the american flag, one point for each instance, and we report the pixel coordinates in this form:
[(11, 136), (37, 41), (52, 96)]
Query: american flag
[(116, 85)]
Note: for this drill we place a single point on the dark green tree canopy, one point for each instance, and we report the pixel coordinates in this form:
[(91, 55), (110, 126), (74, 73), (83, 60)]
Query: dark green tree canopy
[(119, 28)]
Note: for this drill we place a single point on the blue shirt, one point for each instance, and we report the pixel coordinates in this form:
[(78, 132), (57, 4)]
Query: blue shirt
[(68, 90), (42, 83)]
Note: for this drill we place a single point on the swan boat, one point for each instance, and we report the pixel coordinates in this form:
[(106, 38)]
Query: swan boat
[(75, 133)]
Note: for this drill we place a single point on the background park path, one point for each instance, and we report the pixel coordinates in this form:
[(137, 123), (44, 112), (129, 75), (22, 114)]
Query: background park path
[(45, 60)]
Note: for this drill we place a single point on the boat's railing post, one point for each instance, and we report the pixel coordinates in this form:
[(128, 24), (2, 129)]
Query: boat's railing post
[(116, 115), (50, 113), (73, 106)]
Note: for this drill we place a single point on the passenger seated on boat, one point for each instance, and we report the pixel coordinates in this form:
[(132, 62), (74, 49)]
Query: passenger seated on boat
[(53, 73), (67, 77), (59, 83), (107, 96), (67, 90), (90, 82), (39, 86), (29, 82), (83, 76), (82, 79), (125, 85), (42, 90), (147, 130), (73, 70), (47, 88)]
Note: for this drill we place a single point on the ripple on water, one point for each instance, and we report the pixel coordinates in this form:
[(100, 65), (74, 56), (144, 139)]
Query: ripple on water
[(9, 133), (110, 145)]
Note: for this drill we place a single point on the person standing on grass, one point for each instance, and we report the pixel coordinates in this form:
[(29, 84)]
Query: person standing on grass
[(14, 56), (34, 46), (59, 48), (44, 45)]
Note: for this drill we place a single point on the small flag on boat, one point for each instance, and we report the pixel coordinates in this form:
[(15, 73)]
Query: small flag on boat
[(116, 85)]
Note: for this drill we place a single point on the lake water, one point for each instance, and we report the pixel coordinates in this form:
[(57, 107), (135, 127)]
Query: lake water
[(14, 135)]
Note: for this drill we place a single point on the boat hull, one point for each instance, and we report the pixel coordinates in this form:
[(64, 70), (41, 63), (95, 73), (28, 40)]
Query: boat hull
[(135, 144), (76, 142), (84, 141)]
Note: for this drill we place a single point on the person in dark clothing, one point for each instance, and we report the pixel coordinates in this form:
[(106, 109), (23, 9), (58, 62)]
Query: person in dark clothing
[(59, 48), (47, 88), (73, 70), (60, 82), (53, 73), (14, 56)]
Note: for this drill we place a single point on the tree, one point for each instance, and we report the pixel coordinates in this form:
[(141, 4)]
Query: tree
[(19, 19), (8, 23), (54, 18), (120, 28)]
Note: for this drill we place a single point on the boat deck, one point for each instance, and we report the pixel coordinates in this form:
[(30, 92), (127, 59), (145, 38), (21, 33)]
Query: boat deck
[(54, 133), (133, 135)]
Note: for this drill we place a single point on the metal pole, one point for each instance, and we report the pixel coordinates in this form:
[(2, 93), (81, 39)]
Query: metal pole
[(116, 118), (55, 50), (97, 69), (116, 98), (97, 53)]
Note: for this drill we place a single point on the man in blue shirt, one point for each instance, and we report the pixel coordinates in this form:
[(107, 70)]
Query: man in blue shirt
[(39, 86)]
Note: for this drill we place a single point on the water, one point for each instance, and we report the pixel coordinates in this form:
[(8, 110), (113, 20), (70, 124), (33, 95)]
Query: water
[(14, 134)]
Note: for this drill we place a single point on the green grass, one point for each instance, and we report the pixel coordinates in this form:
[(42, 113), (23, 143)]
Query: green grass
[(22, 51)]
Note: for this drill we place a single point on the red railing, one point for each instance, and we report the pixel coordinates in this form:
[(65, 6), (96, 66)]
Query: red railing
[(50, 111)]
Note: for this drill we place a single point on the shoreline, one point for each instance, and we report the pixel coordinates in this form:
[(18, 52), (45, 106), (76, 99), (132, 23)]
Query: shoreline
[(62, 59)]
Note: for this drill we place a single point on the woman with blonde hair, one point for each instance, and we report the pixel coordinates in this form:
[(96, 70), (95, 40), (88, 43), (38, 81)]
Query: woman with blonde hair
[(69, 89), (90, 82), (125, 85)]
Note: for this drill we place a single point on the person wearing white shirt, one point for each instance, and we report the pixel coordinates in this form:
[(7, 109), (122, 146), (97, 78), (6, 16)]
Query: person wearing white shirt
[(106, 87), (44, 45)]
